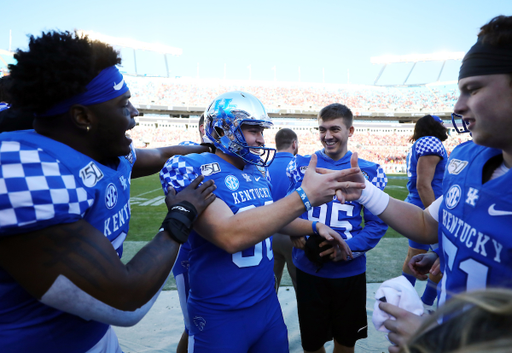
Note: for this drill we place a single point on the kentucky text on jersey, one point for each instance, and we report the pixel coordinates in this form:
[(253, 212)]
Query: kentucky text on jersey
[(118, 220), (250, 194), (471, 237)]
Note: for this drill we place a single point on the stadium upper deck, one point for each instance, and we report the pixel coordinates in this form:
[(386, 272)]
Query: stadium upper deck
[(184, 97)]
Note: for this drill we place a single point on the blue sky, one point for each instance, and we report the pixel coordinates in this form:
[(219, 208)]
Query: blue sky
[(331, 41)]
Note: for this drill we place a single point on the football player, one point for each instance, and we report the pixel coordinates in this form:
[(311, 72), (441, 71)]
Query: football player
[(232, 304), (473, 218), (180, 269), (64, 203), (287, 146), (330, 291)]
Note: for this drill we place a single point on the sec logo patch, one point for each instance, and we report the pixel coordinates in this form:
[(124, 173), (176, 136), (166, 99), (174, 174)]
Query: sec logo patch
[(232, 182)]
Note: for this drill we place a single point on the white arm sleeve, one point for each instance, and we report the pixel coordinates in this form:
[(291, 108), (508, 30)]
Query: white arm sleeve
[(433, 209), (64, 295)]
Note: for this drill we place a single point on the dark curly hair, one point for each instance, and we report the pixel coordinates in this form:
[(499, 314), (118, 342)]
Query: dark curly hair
[(428, 126), (498, 32), (57, 66)]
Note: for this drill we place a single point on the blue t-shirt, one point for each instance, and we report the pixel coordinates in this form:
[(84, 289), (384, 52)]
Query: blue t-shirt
[(42, 183), (475, 220), (220, 280), (344, 218), (278, 177), (425, 146)]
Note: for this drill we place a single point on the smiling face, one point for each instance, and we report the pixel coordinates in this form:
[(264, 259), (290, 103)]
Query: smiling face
[(111, 120), (485, 102), (334, 136), (253, 135)]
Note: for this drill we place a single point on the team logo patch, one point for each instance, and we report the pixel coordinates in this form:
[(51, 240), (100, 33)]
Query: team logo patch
[(209, 169), (232, 182), (247, 177), (365, 174), (456, 166), (111, 196), (123, 182), (91, 174), (200, 322), (303, 169), (453, 196)]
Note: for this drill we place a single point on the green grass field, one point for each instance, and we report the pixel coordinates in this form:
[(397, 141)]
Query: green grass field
[(148, 210), (148, 206)]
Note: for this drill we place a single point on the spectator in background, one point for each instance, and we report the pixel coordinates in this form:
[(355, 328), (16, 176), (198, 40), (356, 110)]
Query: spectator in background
[(64, 203), (287, 145), (426, 162)]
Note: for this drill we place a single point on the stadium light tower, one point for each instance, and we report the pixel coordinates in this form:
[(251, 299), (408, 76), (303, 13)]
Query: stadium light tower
[(415, 58), (135, 45)]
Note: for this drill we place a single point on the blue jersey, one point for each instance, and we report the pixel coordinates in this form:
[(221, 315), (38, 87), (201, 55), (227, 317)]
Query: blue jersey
[(425, 146), (278, 177), (474, 224), (43, 183), (344, 218), (220, 280)]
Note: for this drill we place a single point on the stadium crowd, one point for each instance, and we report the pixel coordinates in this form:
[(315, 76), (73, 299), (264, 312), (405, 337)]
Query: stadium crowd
[(387, 148), (194, 92)]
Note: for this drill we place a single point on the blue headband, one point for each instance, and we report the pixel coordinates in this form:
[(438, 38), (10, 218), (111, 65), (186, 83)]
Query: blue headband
[(108, 85), (486, 59)]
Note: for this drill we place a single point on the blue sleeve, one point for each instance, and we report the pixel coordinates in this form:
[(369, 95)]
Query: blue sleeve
[(295, 172), (177, 172), (374, 228), (430, 145)]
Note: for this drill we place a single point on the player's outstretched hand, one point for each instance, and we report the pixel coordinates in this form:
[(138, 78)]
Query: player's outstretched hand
[(421, 264), (320, 185), (401, 329), (200, 197), (351, 183), (339, 250), (298, 242)]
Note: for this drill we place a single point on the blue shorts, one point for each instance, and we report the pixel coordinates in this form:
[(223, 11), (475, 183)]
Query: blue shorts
[(257, 329)]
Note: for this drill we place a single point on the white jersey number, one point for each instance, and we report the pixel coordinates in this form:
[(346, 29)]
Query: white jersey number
[(476, 272), (255, 259), (335, 211)]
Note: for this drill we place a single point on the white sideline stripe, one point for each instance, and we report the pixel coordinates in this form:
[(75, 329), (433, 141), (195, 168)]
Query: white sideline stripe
[(147, 192)]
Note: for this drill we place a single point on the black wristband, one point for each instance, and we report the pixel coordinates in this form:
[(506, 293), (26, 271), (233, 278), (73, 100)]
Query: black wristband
[(211, 146), (178, 221)]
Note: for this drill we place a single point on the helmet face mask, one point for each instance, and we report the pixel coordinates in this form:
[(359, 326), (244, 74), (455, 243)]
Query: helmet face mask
[(223, 125), (460, 129)]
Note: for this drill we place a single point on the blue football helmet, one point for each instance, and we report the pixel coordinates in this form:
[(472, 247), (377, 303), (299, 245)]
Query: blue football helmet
[(223, 126)]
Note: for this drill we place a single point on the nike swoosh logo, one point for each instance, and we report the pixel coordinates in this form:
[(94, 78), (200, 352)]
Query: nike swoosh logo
[(257, 178), (119, 85), (494, 212)]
